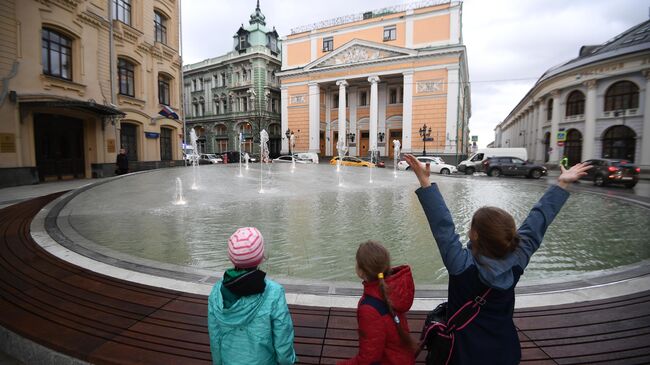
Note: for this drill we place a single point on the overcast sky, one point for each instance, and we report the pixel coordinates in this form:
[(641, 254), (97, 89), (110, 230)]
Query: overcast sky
[(510, 43)]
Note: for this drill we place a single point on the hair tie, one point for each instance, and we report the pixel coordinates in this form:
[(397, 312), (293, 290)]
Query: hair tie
[(380, 275)]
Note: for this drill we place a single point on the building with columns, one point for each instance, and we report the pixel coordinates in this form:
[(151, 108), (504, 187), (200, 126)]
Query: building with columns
[(82, 78), (364, 80), (238, 92), (597, 100)]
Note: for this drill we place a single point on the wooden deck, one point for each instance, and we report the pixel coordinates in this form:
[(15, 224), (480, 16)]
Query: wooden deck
[(108, 321)]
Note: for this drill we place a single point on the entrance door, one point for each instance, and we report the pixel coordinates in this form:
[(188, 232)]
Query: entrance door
[(322, 143), (394, 135), (59, 147), (335, 145), (129, 140), (364, 143), (165, 144)]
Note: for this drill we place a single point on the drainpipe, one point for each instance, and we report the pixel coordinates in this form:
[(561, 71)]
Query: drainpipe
[(111, 63), (180, 79)]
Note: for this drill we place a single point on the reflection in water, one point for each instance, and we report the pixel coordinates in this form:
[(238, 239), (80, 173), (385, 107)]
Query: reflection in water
[(312, 227)]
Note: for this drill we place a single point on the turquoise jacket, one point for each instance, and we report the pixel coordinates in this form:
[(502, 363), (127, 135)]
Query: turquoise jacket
[(257, 329)]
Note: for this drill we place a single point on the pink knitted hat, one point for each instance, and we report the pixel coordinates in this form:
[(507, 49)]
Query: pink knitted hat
[(246, 248)]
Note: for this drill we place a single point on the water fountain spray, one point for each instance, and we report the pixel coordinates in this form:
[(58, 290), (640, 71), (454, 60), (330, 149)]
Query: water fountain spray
[(292, 141), (343, 149), (178, 196), (264, 155), (396, 152), (194, 159), (372, 161), (246, 158), (240, 140)]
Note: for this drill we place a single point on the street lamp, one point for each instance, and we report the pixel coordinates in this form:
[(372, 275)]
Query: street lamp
[(425, 133), (351, 137), (381, 136)]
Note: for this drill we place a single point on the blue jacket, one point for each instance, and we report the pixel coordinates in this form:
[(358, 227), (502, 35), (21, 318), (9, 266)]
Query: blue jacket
[(491, 338), (257, 329)]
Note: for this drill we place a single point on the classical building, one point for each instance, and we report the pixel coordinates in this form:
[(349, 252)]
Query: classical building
[(82, 78), (595, 103), (237, 93), (371, 78)]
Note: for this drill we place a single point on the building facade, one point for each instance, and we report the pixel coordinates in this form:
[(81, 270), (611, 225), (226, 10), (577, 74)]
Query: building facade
[(82, 78), (369, 79), (237, 93), (593, 106)]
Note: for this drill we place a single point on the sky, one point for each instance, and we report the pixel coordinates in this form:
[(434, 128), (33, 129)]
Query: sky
[(510, 43)]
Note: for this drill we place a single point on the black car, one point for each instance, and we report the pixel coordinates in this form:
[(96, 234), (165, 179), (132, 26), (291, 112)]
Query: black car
[(513, 166), (611, 171)]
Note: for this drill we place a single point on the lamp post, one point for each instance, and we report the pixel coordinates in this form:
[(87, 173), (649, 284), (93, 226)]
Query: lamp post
[(289, 134), (425, 133), (381, 136), (351, 137)]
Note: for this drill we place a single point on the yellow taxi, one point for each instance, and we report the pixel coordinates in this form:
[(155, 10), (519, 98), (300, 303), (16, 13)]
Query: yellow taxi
[(351, 161)]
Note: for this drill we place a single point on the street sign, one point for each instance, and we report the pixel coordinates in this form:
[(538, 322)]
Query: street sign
[(561, 136), (428, 139), (474, 138)]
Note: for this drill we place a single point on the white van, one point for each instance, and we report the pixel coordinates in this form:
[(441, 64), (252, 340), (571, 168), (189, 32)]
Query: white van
[(475, 162)]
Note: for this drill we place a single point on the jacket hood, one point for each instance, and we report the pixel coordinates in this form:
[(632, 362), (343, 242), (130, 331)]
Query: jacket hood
[(495, 273), (240, 313), (401, 288)]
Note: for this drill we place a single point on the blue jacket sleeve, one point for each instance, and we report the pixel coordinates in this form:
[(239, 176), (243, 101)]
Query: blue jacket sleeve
[(540, 217), (283, 331), (454, 256)]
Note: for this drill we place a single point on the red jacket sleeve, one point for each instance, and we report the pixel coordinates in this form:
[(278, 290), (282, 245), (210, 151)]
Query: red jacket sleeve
[(372, 337)]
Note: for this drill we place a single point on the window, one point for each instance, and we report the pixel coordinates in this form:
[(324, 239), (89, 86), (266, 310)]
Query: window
[(619, 142), (242, 42), (549, 109), (126, 76), (575, 104), (335, 100), (328, 44), (390, 33), (394, 95), (129, 140), (163, 90), (223, 79), (363, 98), (122, 11), (622, 95), (56, 54), (160, 27)]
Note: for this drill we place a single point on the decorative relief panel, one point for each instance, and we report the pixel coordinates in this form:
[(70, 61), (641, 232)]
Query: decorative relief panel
[(297, 99), (430, 86), (356, 54)]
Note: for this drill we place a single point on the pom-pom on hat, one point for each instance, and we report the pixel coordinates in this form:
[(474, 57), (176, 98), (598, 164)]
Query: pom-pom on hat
[(246, 248)]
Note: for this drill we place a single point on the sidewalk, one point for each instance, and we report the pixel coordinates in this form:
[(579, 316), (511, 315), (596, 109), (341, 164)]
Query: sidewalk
[(15, 194)]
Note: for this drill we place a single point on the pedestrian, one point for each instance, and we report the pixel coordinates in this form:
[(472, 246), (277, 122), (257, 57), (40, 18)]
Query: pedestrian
[(122, 163), (248, 317), (381, 313), (495, 258)]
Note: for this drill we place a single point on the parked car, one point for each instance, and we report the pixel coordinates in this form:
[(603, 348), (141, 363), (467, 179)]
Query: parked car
[(307, 156), (612, 171), (288, 159), (381, 164), (209, 158), (351, 161), (513, 166), (437, 165)]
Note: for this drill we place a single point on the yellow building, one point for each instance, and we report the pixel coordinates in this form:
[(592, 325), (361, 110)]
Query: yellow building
[(377, 77), (82, 78)]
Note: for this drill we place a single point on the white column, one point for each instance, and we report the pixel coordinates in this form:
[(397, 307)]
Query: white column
[(373, 80), (313, 49), (407, 112), (589, 138), (314, 118), (354, 95), (342, 106), (541, 117), (554, 157), (452, 109), (328, 121), (284, 119), (645, 136), (382, 101), (408, 32)]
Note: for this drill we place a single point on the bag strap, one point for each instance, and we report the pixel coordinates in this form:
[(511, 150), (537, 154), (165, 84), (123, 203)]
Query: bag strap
[(475, 305), (376, 303)]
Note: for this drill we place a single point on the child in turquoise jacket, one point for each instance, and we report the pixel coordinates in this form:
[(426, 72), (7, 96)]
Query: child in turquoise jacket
[(248, 317)]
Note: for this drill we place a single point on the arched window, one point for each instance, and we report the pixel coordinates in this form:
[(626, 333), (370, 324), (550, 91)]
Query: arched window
[(549, 109), (622, 95), (122, 11), (619, 142), (56, 54), (163, 89), (221, 138), (247, 133), (575, 103), (126, 75), (160, 27), (573, 146), (547, 146)]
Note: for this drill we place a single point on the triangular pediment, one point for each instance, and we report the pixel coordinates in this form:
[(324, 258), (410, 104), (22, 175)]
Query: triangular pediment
[(358, 51)]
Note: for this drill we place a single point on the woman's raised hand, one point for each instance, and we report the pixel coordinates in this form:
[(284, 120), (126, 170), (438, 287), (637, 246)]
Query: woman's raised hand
[(422, 173), (573, 174)]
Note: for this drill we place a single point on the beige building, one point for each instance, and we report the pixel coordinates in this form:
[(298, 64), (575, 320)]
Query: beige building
[(364, 80), (77, 86)]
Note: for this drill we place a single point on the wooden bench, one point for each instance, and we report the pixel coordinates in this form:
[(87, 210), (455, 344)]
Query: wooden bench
[(103, 320)]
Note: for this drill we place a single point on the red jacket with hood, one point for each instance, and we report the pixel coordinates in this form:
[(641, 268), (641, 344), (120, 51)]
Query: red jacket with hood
[(379, 341)]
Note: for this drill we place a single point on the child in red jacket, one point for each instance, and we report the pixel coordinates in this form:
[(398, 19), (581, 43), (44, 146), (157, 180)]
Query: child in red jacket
[(381, 315)]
